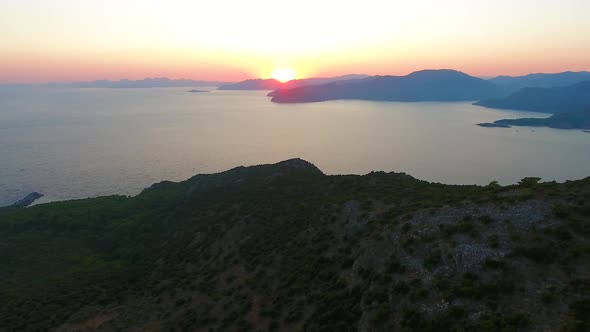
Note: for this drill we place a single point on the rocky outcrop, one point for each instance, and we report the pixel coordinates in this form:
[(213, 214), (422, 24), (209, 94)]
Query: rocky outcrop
[(27, 200)]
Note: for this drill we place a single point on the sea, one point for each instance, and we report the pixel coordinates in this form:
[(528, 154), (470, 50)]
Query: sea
[(72, 143)]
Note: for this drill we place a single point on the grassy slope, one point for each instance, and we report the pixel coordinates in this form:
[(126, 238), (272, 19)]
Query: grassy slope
[(284, 247)]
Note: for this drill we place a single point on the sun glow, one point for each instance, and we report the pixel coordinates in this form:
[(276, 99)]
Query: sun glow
[(283, 74)]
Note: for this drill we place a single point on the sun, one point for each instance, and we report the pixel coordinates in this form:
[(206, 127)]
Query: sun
[(283, 74)]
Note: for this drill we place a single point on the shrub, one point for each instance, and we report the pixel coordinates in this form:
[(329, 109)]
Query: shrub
[(578, 316), (547, 297), (433, 259), (347, 262), (382, 313), (494, 241), (561, 211), (529, 182), (494, 264), (486, 219), (401, 288), (394, 266), (273, 326), (540, 253)]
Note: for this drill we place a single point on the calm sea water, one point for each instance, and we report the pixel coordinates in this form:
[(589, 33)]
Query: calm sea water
[(75, 143)]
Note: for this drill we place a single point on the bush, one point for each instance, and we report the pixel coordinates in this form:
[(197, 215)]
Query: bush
[(433, 259), (578, 316), (540, 253), (382, 313), (394, 266), (529, 182), (486, 219), (494, 264), (401, 288), (501, 322), (273, 326), (494, 241)]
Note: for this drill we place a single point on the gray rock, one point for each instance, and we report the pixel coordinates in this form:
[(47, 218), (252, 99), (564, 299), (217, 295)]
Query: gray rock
[(27, 200)]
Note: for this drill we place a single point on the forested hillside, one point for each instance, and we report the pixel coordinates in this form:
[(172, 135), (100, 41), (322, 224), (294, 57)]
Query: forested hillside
[(285, 247)]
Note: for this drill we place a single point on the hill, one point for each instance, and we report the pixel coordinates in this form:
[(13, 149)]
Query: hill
[(427, 85), (273, 84), (547, 100), (285, 247), (570, 106), (515, 83)]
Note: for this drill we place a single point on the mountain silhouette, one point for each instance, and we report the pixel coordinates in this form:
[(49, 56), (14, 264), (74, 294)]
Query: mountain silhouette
[(425, 85), (547, 100), (273, 84), (570, 106), (160, 82), (515, 83)]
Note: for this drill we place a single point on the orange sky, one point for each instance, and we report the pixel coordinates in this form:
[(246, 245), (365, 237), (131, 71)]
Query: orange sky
[(68, 40)]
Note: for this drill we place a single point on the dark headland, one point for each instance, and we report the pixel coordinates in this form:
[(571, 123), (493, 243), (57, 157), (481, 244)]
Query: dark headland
[(569, 105)]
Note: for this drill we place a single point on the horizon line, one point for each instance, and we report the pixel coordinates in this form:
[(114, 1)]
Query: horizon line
[(156, 77)]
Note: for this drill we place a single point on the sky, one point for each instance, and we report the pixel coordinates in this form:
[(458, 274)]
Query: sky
[(79, 40)]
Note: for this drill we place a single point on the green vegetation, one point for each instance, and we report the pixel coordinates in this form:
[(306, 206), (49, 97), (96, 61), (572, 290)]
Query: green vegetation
[(284, 247)]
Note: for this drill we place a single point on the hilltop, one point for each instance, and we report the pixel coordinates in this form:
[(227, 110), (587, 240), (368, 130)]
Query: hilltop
[(284, 247)]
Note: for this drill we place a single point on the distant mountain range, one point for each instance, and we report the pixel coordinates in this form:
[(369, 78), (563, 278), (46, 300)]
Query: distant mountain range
[(273, 84), (549, 93), (566, 95), (426, 85), (570, 106), (541, 80), (161, 82)]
